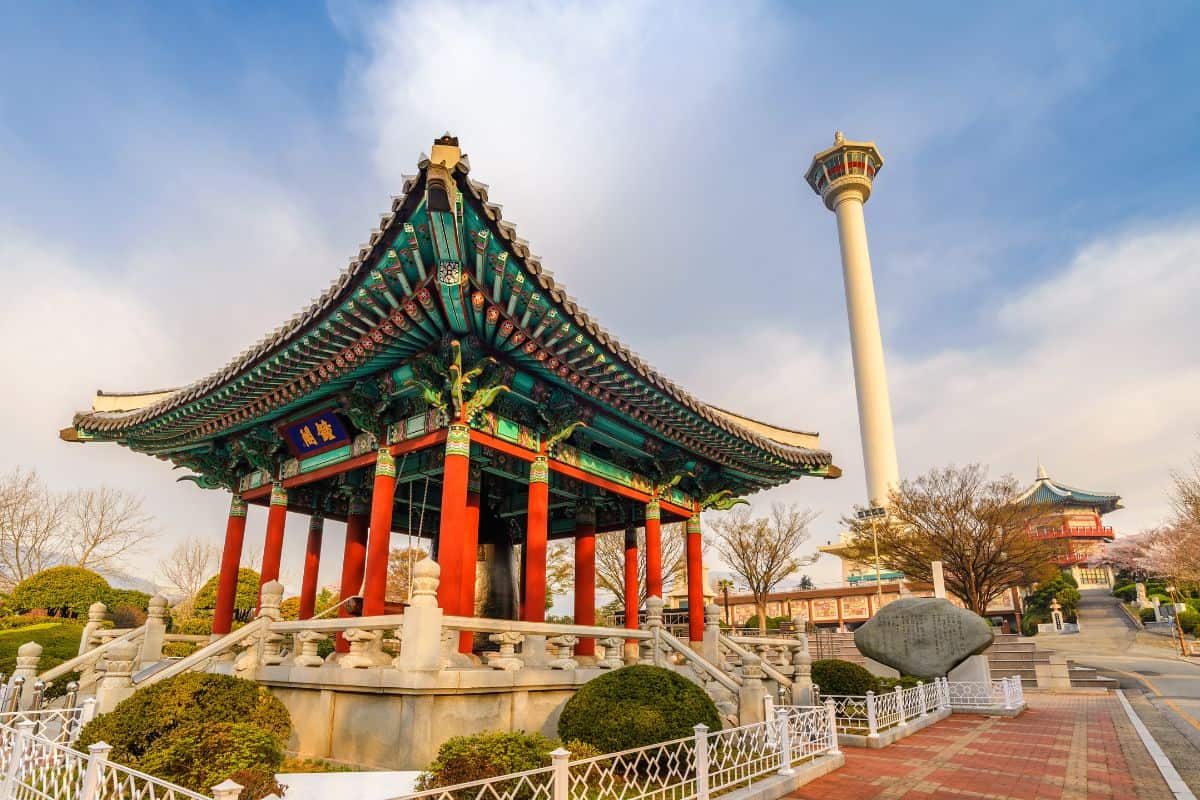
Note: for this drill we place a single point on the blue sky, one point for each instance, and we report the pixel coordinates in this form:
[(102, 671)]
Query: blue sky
[(182, 178)]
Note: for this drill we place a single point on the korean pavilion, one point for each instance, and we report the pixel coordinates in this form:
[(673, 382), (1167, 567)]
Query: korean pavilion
[(446, 376)]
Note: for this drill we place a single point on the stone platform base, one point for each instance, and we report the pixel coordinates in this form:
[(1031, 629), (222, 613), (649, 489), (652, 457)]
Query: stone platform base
[(893, 734), (777, 786), (992, 711)]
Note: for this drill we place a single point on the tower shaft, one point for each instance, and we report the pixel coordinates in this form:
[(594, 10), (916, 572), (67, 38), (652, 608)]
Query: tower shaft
[(866, 344)]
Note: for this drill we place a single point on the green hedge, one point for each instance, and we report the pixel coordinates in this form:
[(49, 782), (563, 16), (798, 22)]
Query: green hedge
[(834, 676), (1190, 621), (636, 706), (149, 714), (62, 591), (1147, 615), (246, 598)]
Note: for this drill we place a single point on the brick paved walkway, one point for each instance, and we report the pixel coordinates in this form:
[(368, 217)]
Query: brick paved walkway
[(1065, 747)]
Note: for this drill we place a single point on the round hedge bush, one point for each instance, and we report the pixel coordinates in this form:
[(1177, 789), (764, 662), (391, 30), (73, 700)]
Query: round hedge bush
[(486, 755), (201, 755), (153, 712), (1190, 621), (834, 676), (61, 591), (636, 706)]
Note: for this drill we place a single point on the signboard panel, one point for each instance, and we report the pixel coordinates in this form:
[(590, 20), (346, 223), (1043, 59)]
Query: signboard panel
[(315, 434)]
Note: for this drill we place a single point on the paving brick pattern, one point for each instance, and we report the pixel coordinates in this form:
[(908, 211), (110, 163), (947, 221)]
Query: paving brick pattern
[(1065, 747)]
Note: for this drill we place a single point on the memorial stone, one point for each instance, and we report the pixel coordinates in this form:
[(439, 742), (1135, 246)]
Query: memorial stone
[(923, 636)]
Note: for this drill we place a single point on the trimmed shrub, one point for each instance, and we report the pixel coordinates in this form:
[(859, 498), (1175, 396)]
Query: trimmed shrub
[(125, 615), (842, 677), (150, 713), (1128, 592), (61, 591), (636, 706), (201, 755), (486, 755), (245, 600), (773, 623), (1189, 621), (1147, 615), (290, 608), (888, 684)]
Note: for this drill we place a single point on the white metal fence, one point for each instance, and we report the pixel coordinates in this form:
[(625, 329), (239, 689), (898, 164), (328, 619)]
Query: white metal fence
[(694, 767), (34, 767), (871, 713)]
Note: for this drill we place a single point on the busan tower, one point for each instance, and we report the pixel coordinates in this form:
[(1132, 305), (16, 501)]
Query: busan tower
[(842, 176)]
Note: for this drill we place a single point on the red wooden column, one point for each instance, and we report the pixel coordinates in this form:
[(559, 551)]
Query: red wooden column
[(379, 544), (585, 574), (695, 580), (231, 561), (533, 555), (454, 517), (273, 546), (631, 579), (653, 551), (354, 560), (466, 600), (312, 564)]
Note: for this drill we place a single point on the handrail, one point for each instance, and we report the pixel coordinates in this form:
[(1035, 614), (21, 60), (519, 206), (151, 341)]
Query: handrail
[(694, 658), (393, 621), (90, 656), (781, 641), (770, 669), (209, 651)]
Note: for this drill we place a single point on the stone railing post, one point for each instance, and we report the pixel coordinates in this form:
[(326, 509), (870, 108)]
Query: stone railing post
[(307, 644), (802, 685), (156, 630), (562, 777), (654, 624), (507, 658), (872, 715), (900, 706), (701, 761), (565, 645), (612, 653), (750, 696), (87, 713), (269, 607), (226, 790), (712, 632), (421, 631), (28, 656), (117, 683), (785, 742), (831, 715), (96, 614), (97, 758)]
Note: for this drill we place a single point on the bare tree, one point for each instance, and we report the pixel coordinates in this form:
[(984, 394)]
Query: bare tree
[(1185, 494), (975, 527), (103, 525), (31, 519), (560, 570), (762, 551), (400, 570), (610, 560), (189, 566)]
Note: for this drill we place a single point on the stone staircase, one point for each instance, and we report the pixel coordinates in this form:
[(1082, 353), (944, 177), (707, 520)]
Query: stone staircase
[(1009, 655)]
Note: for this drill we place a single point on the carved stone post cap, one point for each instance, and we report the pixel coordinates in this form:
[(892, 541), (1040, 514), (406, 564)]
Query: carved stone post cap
[(654, 602), (30, 650), (226, 790), (97, 612), (272, 590), (157, 606)]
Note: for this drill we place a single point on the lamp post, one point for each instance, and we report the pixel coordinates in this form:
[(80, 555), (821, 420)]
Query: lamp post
[(874, 513)]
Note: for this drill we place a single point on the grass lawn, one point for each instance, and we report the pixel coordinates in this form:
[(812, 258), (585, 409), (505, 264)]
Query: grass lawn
[(59, 641)]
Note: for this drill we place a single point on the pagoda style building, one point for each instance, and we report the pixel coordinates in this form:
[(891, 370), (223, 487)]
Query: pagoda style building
[(1074, 524), (446, 386)]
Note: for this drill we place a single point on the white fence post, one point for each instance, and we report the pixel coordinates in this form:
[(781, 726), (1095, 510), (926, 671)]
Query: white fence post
[(701, 761), (16, 758), (1009, 700), (944, 692), (921, 696), (97, 757), (872, 716), (900, 706), (226, 790), (831, 713), (1018, 689), (562, 778), (785, 742)]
